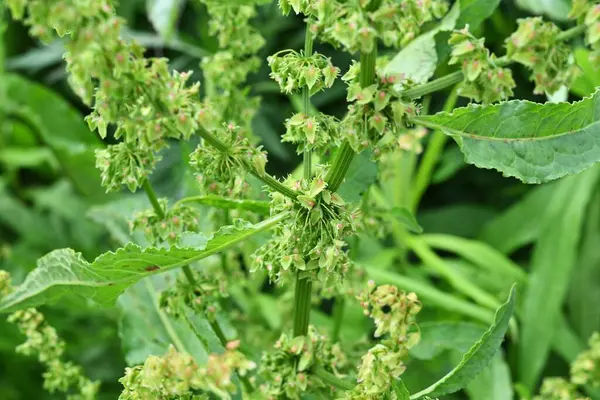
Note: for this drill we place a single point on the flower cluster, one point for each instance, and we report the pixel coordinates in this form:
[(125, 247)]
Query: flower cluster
[(589, 14), (286, 368), (145, 101), (124, 164), (222, 171), (5, 284), (176, 220), (558, 389), (292, 71), (312, 132), (377, 117), (484, 80), (43, 341), (312, 239), (177, 376), (357, 26), (534, 44), (226, 71), (203, 296), (585, 370), (394, 313)]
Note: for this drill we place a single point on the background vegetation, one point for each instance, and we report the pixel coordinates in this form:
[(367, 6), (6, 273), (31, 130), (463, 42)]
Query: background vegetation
[(478, 221)]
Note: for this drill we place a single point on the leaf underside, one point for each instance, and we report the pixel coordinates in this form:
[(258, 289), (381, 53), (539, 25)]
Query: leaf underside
[(533, 142), (478, 356), (64, 271)]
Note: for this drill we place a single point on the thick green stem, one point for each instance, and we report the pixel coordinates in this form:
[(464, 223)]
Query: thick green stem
[(331, 379), (302, 291), (308, 50), (432, 155), (302, 300), (338, 317), (456, 77), (345, 154), (151, 194)]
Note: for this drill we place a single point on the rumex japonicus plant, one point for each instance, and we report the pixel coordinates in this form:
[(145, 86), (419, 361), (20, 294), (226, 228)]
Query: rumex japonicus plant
[(145, 105)]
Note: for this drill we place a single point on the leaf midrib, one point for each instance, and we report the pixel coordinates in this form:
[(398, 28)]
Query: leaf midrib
[(456, 132)]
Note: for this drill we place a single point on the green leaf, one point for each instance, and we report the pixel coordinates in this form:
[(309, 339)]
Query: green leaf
[(147, 330), (430, 295), (360, 176), (256, 206), (553, 261), (400, 389), (59, 126), (532, 142), (459, 219), (451, 162), (163, 15), (436, 337), (407, 218), (478, 356), (520, 224), (418, 60), (554, 9), (479, 254), (586, 83), (64, 271)]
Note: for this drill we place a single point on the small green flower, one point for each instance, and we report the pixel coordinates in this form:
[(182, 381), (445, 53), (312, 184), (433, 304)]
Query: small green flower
[(124, 164), (286, 368), (43, 341), (585, 370), (484, 80), (177, 219), (292, 71), (534, 45)]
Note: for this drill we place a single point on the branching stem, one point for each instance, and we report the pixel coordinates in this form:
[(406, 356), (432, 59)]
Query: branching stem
[(344, 156)]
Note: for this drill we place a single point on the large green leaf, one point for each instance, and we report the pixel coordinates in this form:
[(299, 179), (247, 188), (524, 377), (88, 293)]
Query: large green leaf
[(555, 9), (59, 126), (145, 329), (477, 358), (361, 174), (64, 271), (418, 60), (163, 15), (229, 203), (553, 261), (493, 383), (520, 224), (532, 142)]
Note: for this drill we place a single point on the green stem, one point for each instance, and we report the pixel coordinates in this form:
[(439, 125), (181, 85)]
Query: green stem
[(338, 317), (331, 379), (308, 50), (571, 33), (432, 155), (344, 156), (302, 300), (456, 77), (151, 194)]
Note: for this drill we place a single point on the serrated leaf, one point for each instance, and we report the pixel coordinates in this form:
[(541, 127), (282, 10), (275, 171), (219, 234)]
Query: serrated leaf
[(533, 142), (406, 218), (400, 389), (360, 176), (478, 356), (147, 330), (65, 271), (256, 206)]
